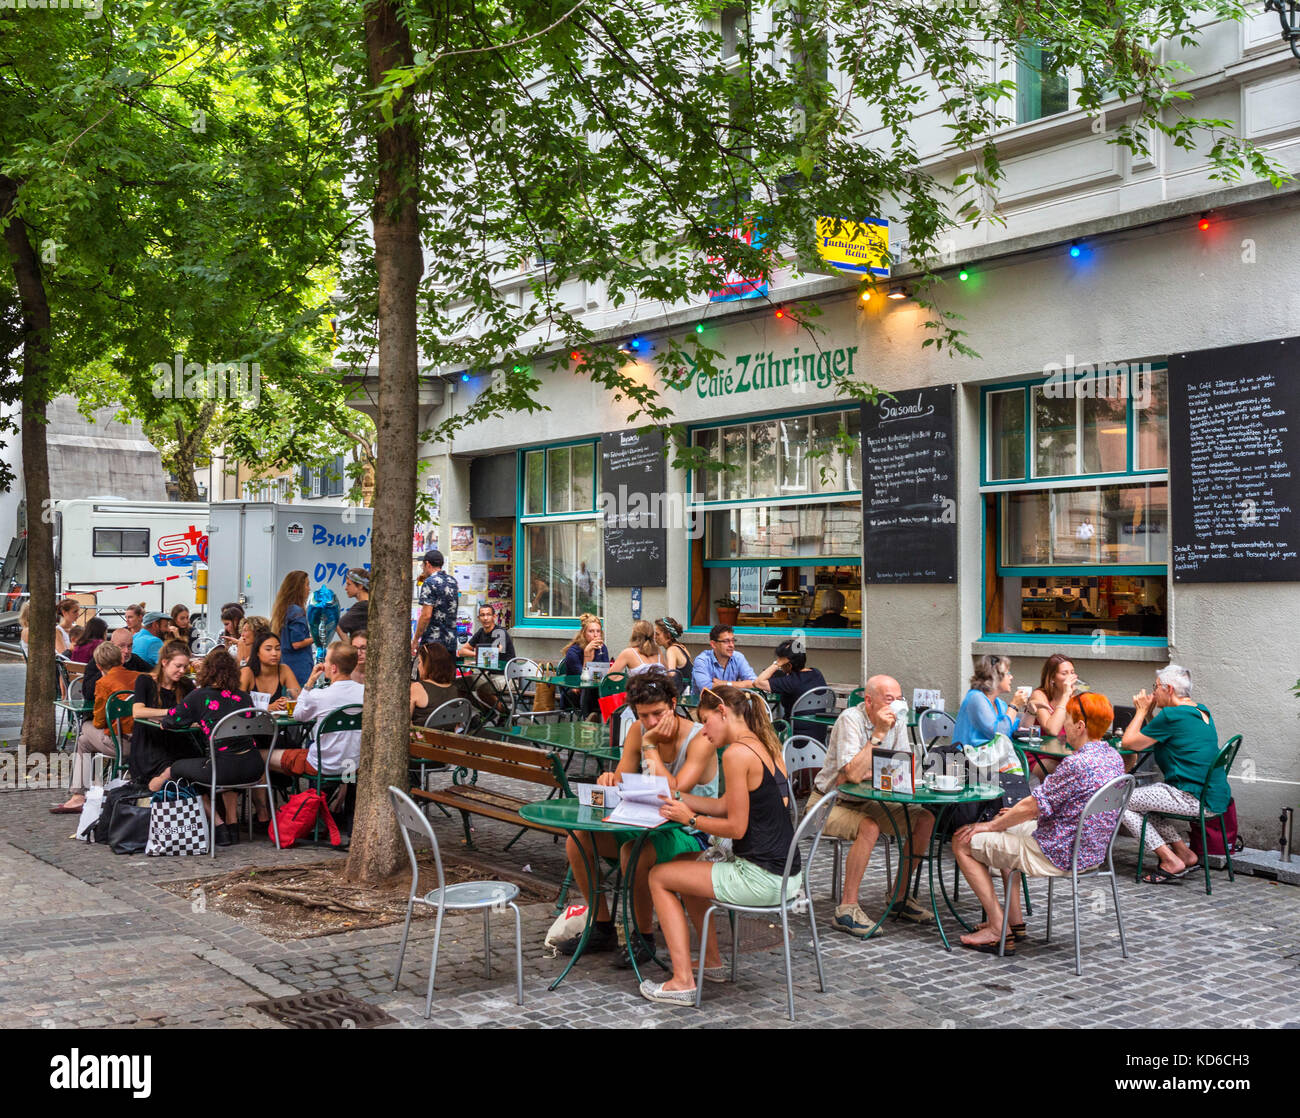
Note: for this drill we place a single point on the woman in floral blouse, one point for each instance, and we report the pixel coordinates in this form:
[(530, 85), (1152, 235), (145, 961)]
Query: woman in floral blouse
[(239, 762), (1036, 837)]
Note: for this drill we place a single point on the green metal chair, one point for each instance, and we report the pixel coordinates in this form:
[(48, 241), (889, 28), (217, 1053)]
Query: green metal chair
[(855, 697), (342, 720), (1223, 761), (116, 709)]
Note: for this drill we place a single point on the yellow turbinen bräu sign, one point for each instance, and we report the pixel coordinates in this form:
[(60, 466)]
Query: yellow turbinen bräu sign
[(858, 246)]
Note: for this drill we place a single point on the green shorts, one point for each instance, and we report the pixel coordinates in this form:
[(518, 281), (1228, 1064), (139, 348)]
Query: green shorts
[(743, 883), (669, 843)]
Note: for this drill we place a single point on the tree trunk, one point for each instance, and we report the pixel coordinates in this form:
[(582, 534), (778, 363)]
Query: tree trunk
[(376, 850), (188, 445), (38, 701)]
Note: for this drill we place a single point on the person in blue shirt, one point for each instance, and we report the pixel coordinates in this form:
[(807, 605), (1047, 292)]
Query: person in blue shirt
[(149, 639), (983, 713), (586, 647), (720, 663), (289, 623)]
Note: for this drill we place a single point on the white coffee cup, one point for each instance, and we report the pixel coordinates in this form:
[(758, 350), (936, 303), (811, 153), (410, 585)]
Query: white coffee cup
[(899, 707), (945, 782)]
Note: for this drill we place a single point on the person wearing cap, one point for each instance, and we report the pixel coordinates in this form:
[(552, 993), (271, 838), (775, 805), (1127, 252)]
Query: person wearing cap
[(356, 584), (149, 639), (439, 599)]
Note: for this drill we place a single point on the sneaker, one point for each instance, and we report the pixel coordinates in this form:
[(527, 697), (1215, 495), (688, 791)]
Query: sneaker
[(655, 992), (912, 911), (720, 973), (851, 919), (644, 950), (602, 938)]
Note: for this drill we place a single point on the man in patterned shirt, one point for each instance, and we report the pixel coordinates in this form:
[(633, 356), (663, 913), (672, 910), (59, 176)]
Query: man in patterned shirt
[(439, 597), (1036, 837)]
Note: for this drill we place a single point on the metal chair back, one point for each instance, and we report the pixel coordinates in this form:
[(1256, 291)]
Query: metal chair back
[(242, 725), (1111, 796), (614, 683), (803, 754), (521, 669), (932, 725), (855, 697), (411, 820), (818, 700), (76, 689), (620, 721), (202, 644), (118, 707), (344, 720), (455, 714)]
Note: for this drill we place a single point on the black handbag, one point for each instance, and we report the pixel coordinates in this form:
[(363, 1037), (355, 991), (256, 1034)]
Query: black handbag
[(132, 791), (128, 830)]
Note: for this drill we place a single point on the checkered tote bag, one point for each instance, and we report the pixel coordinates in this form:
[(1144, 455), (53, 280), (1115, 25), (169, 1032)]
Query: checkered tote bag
[(177, 822)]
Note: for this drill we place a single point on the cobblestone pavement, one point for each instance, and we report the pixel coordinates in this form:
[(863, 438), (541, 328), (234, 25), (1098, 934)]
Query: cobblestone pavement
[(87, 938)]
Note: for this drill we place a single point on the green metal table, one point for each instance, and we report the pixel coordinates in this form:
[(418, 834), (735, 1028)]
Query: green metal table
[(574, 681), (571, 816), (587, 738), (923, 797)]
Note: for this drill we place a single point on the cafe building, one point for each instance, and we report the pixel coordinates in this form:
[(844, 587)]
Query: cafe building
[(1114, 476)]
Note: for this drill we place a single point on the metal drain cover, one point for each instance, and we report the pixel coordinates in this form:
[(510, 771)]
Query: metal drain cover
[(324, 1009)]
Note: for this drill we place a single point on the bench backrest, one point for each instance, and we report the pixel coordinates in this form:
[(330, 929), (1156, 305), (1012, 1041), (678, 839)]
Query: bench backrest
[(518, 762)]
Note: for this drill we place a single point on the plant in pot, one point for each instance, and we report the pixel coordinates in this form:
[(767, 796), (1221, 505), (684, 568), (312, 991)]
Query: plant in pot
[(728, 609)]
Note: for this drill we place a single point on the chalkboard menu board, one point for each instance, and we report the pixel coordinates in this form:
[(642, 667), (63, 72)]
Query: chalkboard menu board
[(632, 481), (1234, 448), (909, 487)]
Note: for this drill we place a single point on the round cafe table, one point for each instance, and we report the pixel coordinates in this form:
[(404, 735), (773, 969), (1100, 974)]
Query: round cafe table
[(571, 816), (923, 797)]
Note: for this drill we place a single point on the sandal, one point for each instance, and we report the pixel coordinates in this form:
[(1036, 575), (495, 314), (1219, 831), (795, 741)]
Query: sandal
[(1161, 877), (1018, 931), (991, 948)]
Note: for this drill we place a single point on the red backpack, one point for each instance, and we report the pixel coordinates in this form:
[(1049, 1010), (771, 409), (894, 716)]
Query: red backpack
[(1214, 837), (298, 816)]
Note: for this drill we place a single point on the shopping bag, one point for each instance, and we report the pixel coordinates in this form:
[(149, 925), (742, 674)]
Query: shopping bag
[(178, 824), (94, 806), (128, 829)]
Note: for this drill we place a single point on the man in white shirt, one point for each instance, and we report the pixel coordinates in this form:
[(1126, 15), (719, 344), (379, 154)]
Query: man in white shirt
[(339, 750), (858, 730)]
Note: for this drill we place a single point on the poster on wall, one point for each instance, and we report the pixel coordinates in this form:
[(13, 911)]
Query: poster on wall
[(483, 553), (462, 542), (472, 578), (504, 548)]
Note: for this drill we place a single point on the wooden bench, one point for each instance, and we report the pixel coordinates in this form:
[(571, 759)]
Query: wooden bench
[(467, 755)]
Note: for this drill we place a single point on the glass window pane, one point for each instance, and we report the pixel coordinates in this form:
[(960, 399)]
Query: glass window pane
[(1137, 524), (735, 448), (1151, 406), (534, 482), (785, 532), (853, 458), (1006, 423), (827, 473), (588, 577), (557, 480), (763, 460), (540, 588), (1026, 529), (1055, 435), (584, 475), (1075, 526), (1105, 429), (705, 483), (1040, 90), (794, 455)]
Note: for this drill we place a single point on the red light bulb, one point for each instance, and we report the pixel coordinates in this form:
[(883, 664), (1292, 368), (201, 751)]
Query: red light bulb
[(1203, 224)]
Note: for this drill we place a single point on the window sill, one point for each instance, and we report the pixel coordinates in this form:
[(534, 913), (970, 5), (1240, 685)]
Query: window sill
[(1139, 649)]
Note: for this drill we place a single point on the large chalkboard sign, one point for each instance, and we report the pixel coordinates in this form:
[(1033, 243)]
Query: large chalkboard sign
[(632, 481), (1234, 448), (909, 487)]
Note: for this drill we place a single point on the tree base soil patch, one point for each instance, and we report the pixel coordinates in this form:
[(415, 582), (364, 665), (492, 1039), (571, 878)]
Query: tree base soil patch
[(303, 901)]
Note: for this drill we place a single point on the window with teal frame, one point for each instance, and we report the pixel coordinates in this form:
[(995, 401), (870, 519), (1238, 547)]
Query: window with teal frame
[(561, 534), (1074, 473), (780, 527)]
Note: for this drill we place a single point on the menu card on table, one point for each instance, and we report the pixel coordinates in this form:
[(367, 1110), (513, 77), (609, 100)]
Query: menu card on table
[(893, 770), (639, 801)]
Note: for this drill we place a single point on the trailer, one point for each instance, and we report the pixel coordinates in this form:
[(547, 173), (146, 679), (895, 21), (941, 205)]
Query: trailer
[(109, 552), (254, 544)]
